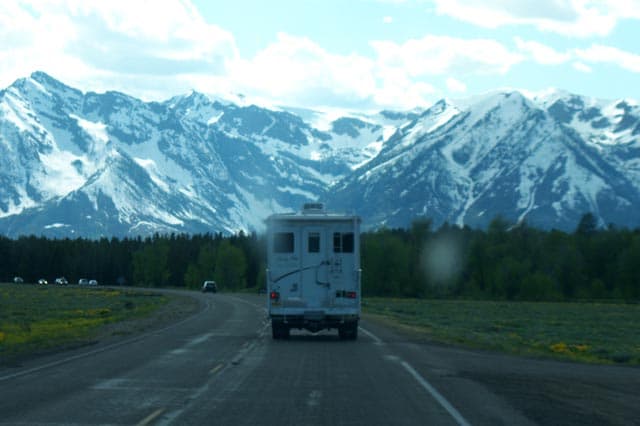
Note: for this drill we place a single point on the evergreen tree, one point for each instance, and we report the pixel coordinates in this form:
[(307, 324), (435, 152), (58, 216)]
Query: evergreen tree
[(150, 264), (230, 267)]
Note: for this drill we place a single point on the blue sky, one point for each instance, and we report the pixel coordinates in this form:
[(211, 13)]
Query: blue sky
[(350, 54)]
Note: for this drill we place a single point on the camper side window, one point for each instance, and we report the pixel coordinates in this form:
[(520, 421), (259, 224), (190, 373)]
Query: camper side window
[(283, 242), (343, 243)]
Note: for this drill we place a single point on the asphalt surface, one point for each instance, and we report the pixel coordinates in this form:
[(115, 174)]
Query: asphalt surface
[(220, 366)]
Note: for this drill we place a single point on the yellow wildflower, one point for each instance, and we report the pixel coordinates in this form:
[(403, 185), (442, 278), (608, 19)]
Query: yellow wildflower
[(559, 347)]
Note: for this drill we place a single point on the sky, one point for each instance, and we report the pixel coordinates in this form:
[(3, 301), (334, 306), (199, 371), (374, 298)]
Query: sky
[(345, 54)]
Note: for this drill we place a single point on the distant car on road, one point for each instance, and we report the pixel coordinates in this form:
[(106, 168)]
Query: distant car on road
[(62, 281), (209, 286), (83, 281), (18, 280), (43, 281), (93, 282)]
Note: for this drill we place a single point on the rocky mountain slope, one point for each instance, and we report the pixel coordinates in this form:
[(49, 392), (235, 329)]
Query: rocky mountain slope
[(88, 164)]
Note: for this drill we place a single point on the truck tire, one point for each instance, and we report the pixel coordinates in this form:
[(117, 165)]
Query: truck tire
[(279, 330), (348, 331), (275, 330)]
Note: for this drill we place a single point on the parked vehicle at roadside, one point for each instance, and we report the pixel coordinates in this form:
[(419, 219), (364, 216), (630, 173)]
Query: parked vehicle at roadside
[(93, 282), (62, 281), (42, 281), (18, 280), (83, 281)]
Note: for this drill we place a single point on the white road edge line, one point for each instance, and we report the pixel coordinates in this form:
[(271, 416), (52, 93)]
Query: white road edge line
[(216, 369), (436, 395), (151, 417), (423, 382), (376, 339)]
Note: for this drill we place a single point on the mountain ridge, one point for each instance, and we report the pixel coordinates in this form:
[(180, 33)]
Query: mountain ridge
[(89, 164)]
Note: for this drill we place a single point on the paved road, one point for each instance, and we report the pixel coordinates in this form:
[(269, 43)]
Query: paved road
[(221, 367)]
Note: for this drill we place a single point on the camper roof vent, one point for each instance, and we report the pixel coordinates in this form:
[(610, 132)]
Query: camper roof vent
[(313, 208)]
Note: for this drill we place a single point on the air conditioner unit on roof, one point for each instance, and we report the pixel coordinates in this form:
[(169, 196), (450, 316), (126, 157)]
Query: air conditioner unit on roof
[(312, 208)]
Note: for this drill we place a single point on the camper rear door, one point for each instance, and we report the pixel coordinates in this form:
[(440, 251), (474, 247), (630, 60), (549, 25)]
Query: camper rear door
[(314, 277)]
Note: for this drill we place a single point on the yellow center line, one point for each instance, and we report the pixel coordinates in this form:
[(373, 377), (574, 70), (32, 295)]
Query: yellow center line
[(215, 369), (151, 417)]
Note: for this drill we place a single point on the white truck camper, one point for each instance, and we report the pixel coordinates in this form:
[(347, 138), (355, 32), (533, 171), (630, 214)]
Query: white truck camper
[(313, 272)]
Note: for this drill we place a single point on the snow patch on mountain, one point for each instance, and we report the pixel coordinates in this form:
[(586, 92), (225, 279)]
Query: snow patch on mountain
[(152, 169), (59, 177), (97, 131), (16, 111), (214, 119), (13, 208)]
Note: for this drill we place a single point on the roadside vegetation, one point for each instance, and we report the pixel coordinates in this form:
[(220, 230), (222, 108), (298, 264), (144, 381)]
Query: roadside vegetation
[(35, 319), (604, 333)]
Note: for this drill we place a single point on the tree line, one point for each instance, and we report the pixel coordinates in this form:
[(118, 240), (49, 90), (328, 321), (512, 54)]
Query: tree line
[(237, 261), (504, 262)]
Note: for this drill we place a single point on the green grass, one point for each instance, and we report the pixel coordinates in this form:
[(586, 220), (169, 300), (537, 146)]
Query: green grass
[(35, 319), (604, 333)]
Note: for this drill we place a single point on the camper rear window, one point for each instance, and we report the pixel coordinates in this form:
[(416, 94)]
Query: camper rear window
[(283, 242), (343, 243), (314, 242)]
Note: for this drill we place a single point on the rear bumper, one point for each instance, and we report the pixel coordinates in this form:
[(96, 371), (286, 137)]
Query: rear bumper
[(315, 320)]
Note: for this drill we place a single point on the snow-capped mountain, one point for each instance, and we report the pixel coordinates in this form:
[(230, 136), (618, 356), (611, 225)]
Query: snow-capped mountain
[(546, 160), (108, 164), (88, 164)]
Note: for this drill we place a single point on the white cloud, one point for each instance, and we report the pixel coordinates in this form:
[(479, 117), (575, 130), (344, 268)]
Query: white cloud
[(437, 55), (629, 9), (612, 55), (98, 45), (93, 44), (456, 86), (541, 53), (579, 18), (582, 67), (396, 89), (296, 69), (173, 33), (387, 19), (580, 58)]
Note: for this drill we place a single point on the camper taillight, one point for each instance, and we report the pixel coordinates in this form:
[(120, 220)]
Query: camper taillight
[(275, 296)]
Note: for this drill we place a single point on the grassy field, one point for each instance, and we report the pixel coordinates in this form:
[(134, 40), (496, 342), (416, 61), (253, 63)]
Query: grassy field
[(605, 333), (35, 319)]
